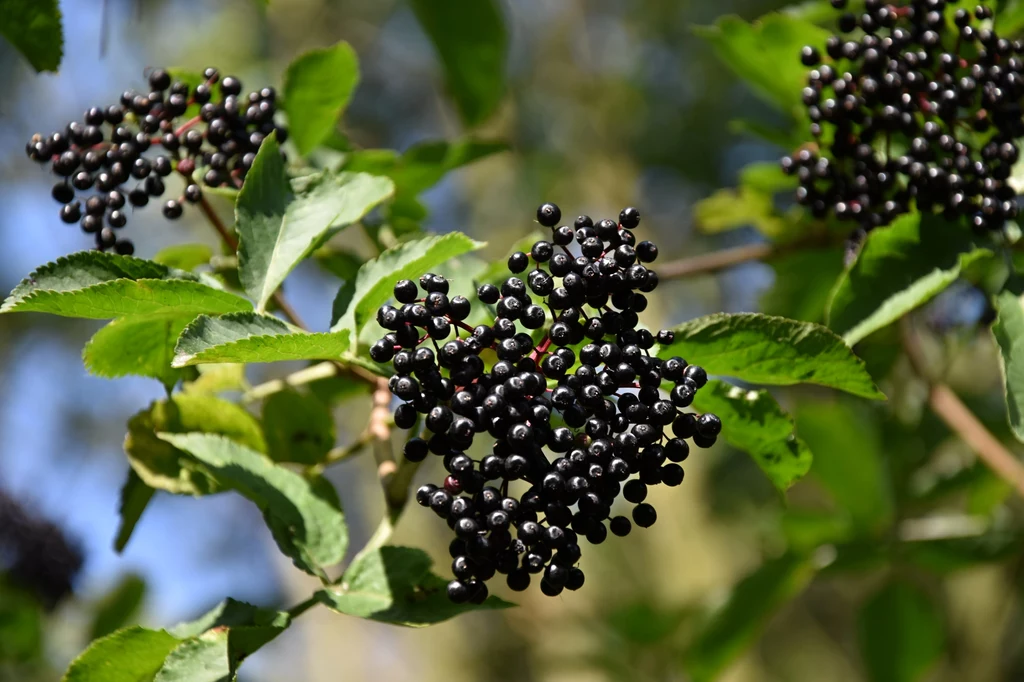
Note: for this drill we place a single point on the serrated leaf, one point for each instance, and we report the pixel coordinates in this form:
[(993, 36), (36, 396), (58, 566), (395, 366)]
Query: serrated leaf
[(737, 624), (753, 422), (251, 337), (119, 606), (1008, 331), (185, 257), (140, 345), (97, 285), (317, 88), (765, 54), (848, 462), (303, 514), (357, 301), (298, 428), (135, 497), (901, 633), (469, 37), (899, 268), (280, 223), (131, 655), (395, 585), (763, 349), (34, 28), (164, 467)]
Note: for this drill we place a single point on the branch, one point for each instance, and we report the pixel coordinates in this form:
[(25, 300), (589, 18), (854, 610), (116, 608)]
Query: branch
[(716, 261), (959, 418)]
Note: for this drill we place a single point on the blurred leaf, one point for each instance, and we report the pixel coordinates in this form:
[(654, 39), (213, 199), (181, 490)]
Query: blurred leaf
[(738, 623), (807, 530), (644, 623), (802, 282), (342, 264), (470, 39), (141, 345), (1011, 17), (358, 300), (767, 177), (279, 223), (731, 209), (753, 422), (251, 337), (131, 655), (1008, 331), (185, 257), (135, 497), (163, 466), (303, 514), (216, 378), (900, 267), (766, 53), (949, 555), (423, 165), (901, 634), (848, 461), (33, 27), (118, 607), (100, 286), (317, 88), (21, 625), (771, 350), (298, 428), (395, 585)]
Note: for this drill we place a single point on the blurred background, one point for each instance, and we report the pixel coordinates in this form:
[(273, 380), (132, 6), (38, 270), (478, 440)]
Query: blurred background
[(610, 103)]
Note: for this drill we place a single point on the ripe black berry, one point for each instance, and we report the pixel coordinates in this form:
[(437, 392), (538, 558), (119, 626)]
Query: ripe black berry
[(577, 415)]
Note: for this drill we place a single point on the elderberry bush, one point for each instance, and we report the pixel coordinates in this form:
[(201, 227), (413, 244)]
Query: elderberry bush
[(579, 418), (120, 155), (913, 104)]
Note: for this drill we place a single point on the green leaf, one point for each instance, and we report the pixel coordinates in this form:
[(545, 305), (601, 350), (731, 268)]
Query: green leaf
[(901, 634), (118, 607), (1011, 17), (279, 223), (317, 88), (358, 300), (730, 209), (217, 378), (303, 514), (763, 349), (164, 467), (250, 337), (424, 164), (199, 659), (298, 428), (135, 497), (470, 39), (949, 555), (899, 268), (1008, 331), (753, 422), (342, 264), (102, 286), (395, 585), (848, 462), (139, 345), (33, 27), (803, 280), (131, 655), (737, 624), (765, 54), (185, 257)]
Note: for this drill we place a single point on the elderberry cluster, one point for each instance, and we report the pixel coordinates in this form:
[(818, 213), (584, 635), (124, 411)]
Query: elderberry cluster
[(211, 127), (915, 105), (562, 388)]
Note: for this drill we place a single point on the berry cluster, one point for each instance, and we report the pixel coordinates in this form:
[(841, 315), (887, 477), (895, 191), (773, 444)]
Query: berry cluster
[(588, 392), (111, 147), (913, 104)]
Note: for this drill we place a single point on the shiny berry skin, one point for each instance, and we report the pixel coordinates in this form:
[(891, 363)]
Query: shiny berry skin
[(548, 215)]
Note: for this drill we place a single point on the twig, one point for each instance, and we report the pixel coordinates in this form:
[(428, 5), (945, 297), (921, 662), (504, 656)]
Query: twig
[(959, 418), (301, 608), (716, 261), (380, 431)]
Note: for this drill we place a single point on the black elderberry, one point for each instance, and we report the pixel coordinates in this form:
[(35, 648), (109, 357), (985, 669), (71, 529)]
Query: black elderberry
[(580, 425)]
